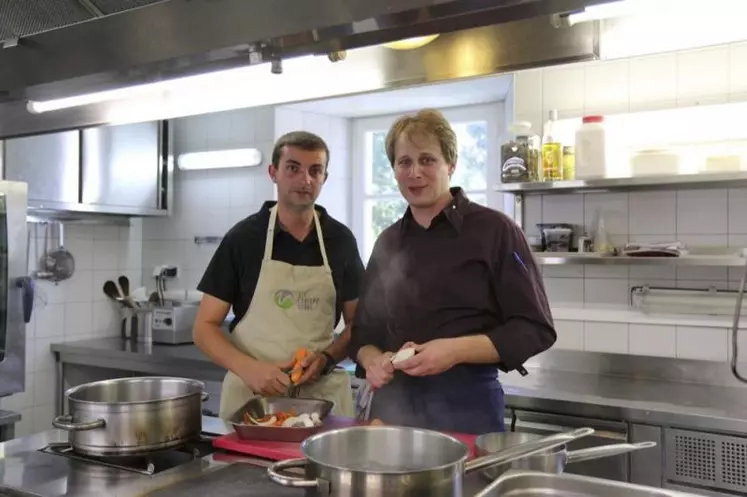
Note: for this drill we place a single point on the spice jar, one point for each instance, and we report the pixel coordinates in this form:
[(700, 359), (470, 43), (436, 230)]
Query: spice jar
[(520, 157), (569, 163)]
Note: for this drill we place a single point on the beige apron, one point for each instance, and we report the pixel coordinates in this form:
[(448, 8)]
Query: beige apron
[(292, 307)]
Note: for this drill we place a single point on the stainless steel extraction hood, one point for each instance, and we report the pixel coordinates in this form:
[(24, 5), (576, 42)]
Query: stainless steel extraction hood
[(174, 38)]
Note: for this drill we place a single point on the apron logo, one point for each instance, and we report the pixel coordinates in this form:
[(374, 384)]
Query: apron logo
[(285, 299)]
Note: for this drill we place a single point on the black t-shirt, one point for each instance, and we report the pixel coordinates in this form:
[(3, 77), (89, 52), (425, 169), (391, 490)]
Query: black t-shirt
[(233, 272)]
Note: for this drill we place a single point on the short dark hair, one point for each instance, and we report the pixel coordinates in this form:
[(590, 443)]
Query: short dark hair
[(299, 139)]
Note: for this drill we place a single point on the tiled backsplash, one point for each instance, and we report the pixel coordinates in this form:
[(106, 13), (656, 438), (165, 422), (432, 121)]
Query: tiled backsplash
[(210, 202), (696, 217), (335, 196), (72, 310), (678, 79), (683, 342)]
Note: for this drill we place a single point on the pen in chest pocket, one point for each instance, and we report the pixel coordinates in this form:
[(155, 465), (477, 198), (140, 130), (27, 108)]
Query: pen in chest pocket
[(520, 262)]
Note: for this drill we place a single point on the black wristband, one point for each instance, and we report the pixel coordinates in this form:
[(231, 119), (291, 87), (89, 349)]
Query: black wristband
[(331, 364)]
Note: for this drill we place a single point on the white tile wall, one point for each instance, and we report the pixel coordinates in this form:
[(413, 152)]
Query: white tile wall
[(335, 196), (683, 342), (611, 338), (72, 310), (652, 340), (209, 203), (683, 78), (705, 217)]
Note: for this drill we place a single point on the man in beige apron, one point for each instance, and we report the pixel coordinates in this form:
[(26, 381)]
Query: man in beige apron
[(293, 307), (288, 272)]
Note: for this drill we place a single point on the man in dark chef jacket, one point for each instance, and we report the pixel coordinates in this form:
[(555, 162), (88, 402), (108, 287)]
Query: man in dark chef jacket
[(289, 271), (452, 279)]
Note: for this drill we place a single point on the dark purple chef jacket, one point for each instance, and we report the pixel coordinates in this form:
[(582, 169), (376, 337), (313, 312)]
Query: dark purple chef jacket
[(470, 272)]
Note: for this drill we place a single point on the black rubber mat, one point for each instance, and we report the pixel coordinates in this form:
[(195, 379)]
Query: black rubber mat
[(236, 480)]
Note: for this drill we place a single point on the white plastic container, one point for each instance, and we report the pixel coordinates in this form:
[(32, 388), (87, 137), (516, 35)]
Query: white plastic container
[(655, 162), (591, 154)]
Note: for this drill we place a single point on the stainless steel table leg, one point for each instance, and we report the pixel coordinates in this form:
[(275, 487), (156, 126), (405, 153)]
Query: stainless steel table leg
[(735, 327), (60, 387), (7, 432)]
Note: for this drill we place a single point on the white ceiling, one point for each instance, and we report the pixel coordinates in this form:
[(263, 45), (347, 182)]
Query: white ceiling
[(439, 95)]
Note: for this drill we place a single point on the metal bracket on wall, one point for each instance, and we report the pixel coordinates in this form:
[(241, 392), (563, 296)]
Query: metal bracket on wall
[(519, 210), (204, 240)]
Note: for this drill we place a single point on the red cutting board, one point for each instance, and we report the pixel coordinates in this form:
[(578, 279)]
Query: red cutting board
[(278, 451)]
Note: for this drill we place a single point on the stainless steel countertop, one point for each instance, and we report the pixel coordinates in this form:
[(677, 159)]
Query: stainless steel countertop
[(24, 471), (9, 417), (664, 403)]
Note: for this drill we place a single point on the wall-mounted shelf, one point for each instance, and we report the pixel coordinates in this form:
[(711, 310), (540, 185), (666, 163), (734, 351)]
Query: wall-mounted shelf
[(692, 181), (576, 258)]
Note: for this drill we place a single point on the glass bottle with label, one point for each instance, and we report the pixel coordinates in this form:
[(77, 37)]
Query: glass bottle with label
[(569, 163), (552, 151), (520, 157)]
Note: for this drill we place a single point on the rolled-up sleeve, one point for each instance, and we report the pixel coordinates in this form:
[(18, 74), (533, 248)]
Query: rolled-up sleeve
[(369, 323), (528, 327)]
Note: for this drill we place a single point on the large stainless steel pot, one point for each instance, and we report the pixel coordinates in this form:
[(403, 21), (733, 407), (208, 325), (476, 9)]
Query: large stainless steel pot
[(551, 461), (394, 461), (133, 416)]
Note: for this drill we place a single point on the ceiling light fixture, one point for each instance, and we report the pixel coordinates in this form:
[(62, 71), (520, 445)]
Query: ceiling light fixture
[(622, 8), (38, 107), (411, 43), (157, 89), (220, 159)]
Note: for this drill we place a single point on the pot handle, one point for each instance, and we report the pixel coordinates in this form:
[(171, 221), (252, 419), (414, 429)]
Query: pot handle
[(205, 395), (66, 423), (526, 449), (605, 451), (293, 481)]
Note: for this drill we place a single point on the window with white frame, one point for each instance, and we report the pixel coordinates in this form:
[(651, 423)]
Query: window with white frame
[(377, 202)]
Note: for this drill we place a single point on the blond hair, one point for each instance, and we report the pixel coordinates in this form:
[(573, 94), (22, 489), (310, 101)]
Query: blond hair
[(427, 122)]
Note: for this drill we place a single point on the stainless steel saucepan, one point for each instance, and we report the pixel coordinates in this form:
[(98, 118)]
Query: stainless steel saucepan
[(550, 461), (395, 461), (133, 416)]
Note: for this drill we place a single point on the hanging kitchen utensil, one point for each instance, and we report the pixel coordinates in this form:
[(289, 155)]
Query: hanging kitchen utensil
[(45, 266), (59, 262)]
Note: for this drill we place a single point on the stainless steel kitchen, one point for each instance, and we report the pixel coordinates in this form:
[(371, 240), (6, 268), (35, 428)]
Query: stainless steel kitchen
[(135, 134)]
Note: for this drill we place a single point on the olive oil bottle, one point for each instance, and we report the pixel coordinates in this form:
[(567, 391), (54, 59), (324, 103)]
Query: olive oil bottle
[(552, 151)]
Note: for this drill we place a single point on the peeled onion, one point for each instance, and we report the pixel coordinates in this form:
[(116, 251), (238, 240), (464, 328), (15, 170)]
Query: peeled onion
[(403, 354)]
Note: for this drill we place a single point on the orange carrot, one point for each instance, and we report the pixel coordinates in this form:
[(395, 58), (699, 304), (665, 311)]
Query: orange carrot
[(297, 370)]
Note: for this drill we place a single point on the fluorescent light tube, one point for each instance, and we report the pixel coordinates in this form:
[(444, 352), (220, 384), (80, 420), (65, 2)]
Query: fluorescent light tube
[(38, 107), (220, 159), (648, 8), (601, 11)]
